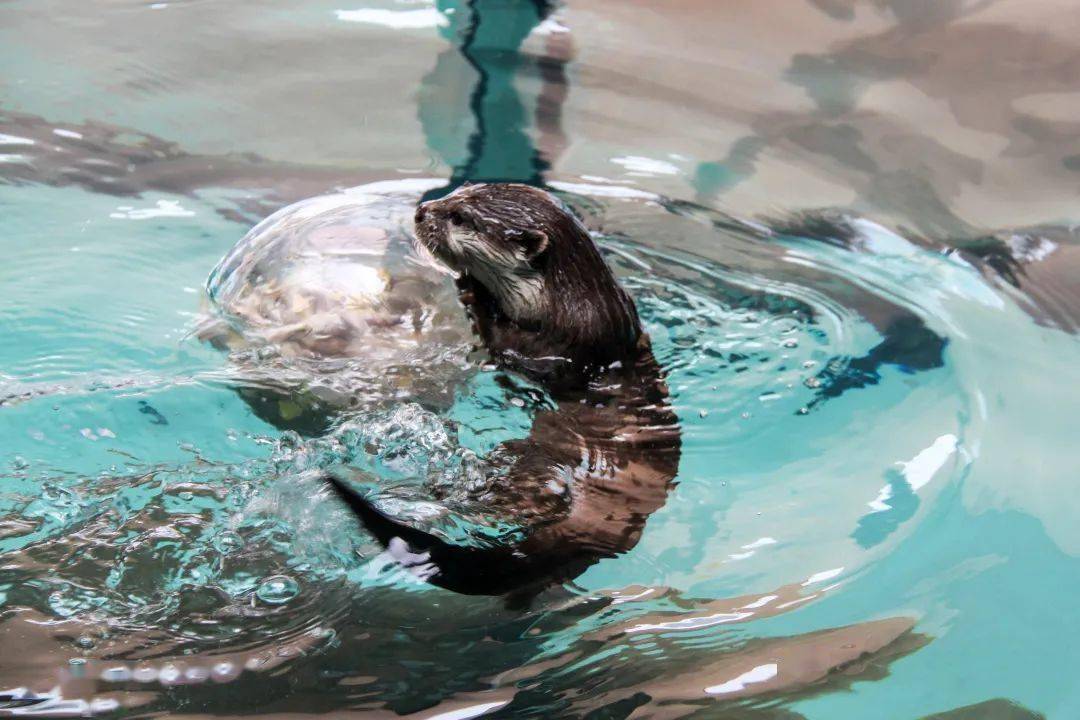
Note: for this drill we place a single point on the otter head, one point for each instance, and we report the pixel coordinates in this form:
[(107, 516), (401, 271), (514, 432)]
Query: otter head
[(536, 281)]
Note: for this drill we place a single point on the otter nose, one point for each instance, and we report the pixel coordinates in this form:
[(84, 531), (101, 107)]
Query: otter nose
[(422, 211)]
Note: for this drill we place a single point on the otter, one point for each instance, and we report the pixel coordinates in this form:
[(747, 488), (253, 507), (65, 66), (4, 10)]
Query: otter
[(546, 306)]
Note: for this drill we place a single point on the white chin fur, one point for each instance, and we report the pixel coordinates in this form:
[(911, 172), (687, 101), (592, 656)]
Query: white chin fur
[(503, 271)]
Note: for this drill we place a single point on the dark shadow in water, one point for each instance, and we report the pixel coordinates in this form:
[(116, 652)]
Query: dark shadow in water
[(488, 35), (909, 345), (902, 504)]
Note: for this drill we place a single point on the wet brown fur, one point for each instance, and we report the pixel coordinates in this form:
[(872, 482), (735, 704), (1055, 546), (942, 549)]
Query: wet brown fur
[(592, 470)]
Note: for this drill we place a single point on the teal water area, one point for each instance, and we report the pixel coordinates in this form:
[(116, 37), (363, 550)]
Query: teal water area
[(873, 514)]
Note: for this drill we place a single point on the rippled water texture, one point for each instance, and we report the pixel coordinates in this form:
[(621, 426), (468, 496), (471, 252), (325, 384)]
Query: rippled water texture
[(848, 227)]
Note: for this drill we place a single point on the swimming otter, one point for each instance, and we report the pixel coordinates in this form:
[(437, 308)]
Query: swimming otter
[(546, 306)]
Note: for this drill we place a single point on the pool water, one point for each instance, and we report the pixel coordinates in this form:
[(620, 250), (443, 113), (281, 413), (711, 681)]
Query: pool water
[(848, 228)]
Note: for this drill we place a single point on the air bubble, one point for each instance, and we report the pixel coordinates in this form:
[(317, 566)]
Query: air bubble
[(118, 673), (228, 542), (196, 674), (145, 674), (169, 675), (277, 590), (224, 671)]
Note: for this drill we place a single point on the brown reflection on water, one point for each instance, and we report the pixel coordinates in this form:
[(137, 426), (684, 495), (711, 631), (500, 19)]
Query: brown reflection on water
[(403, 655), (104, 158), (934, 116), (955, 123), (996, 709)]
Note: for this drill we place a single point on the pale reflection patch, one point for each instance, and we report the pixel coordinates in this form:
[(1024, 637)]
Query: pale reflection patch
[(759, 674)]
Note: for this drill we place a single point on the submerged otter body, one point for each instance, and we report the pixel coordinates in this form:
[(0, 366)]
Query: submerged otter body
[(546, 306)]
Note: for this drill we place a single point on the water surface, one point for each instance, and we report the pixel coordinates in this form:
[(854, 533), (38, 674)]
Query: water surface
[(849, 230)]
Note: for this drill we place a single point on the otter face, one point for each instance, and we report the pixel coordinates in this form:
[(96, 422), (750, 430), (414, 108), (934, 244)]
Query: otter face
[(539, 285), (495, 234)]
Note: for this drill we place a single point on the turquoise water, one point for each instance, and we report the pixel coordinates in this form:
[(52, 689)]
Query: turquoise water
[(874, 513)]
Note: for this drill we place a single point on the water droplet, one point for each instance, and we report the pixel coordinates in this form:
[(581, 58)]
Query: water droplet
[(187, 495), (278, 589), (812, 382), (791, 343), (703, 413), (809, 364), (85, 641)]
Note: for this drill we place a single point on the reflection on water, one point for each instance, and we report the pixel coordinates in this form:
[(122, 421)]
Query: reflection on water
[(867, 317), (487, 139)]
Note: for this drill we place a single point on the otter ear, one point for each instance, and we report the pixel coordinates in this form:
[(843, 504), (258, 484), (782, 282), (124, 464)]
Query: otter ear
[(535, 243)]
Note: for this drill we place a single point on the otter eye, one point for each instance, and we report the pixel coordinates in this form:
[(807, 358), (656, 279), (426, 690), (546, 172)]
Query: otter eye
[(456, 218)]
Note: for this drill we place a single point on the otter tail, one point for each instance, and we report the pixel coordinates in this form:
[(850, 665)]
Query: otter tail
[(484, 568)]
